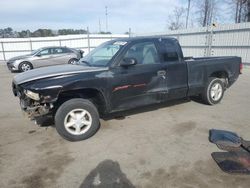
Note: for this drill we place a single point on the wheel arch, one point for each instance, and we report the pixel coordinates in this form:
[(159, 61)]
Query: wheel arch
[(25, 61), (222, 74), (72, 58), (94, 95)]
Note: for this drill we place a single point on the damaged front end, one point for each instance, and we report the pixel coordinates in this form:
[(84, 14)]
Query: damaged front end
[(33, 108), (30, 102)]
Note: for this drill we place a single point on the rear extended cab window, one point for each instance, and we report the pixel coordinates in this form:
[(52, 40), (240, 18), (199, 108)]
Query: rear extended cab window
[(169, 51)]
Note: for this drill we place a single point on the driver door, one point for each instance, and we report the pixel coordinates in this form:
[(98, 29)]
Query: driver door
[(42, 59), (140, 84)]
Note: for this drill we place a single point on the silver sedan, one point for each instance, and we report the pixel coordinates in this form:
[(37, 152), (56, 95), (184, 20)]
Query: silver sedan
[(44, 57)]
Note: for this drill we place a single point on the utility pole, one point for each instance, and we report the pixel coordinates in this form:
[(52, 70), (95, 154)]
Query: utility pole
[(100, 27), (212, 12), (248, 10), (88, 38), (188, 10), (106, 14), (28, 33)]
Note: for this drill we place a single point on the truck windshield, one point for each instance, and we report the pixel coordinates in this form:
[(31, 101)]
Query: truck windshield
[(102, 55)]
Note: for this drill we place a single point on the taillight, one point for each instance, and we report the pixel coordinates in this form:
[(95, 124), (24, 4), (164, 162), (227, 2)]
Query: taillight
[(241, 68)]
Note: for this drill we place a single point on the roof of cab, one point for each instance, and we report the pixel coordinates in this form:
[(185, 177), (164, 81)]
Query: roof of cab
[(144, 37)]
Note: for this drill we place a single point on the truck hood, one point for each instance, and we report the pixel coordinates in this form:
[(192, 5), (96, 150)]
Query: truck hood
[(52, 71)]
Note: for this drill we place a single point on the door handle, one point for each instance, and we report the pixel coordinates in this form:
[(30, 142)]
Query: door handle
[(162, 73)]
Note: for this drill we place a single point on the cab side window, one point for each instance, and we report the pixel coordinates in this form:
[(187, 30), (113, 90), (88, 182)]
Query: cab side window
[(144, 53), (169, 52), (57, 51), (66, 50), (45, 52)]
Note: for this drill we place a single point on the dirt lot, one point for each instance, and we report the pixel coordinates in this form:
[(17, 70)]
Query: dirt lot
[(162, 146)]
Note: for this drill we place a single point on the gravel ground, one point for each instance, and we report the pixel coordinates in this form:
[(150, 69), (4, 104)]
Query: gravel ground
[(156, 146)]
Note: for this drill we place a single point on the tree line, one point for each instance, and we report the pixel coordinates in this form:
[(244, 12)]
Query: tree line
[(208, 12), (10, 33)]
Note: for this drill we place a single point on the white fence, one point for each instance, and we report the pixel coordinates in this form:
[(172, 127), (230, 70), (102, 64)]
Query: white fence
[(225, 40), (10, 47)]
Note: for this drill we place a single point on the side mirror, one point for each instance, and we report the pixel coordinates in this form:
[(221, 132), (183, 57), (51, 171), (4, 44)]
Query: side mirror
[(38, 55), (128, 62)]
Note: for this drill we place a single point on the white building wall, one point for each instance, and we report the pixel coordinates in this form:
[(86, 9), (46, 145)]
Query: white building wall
[(227, 40)]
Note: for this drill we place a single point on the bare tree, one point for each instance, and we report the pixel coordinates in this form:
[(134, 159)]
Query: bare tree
[(207, 10), (175, 20), (240, 8), (245, 11), (210, 10)]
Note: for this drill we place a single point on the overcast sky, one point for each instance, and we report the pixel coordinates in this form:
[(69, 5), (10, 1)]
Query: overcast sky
[(141, 15)]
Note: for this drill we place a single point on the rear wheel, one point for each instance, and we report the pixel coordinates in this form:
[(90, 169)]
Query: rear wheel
[(77, 119), (25, 66), (73, 61), (214, 91)]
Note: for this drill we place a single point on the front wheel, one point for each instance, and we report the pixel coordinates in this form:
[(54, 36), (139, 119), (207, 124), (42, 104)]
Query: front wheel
[(77, 119), (25, 66), (214, 91)]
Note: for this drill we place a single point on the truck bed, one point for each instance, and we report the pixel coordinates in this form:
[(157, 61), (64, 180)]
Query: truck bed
[(201, 68)]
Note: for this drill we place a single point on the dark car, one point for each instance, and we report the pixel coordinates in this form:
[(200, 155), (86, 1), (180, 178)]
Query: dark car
[(120, 75), (44, 57)]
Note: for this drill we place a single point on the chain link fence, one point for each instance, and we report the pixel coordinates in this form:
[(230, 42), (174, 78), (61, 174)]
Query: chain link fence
[(10, 47)]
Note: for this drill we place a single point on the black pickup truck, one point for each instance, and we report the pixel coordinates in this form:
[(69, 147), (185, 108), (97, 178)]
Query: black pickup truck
[(120, 75)]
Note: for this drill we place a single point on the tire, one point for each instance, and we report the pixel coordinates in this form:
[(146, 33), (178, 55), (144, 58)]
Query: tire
[(25, 66), (67, 124), (214, 91), (72, 61)]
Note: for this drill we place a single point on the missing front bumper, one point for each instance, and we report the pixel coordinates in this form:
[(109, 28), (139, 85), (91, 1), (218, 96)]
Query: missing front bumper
[(33, 110)]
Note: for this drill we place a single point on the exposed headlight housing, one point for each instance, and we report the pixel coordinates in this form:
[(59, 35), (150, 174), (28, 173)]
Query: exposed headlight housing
[(32, 95)]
